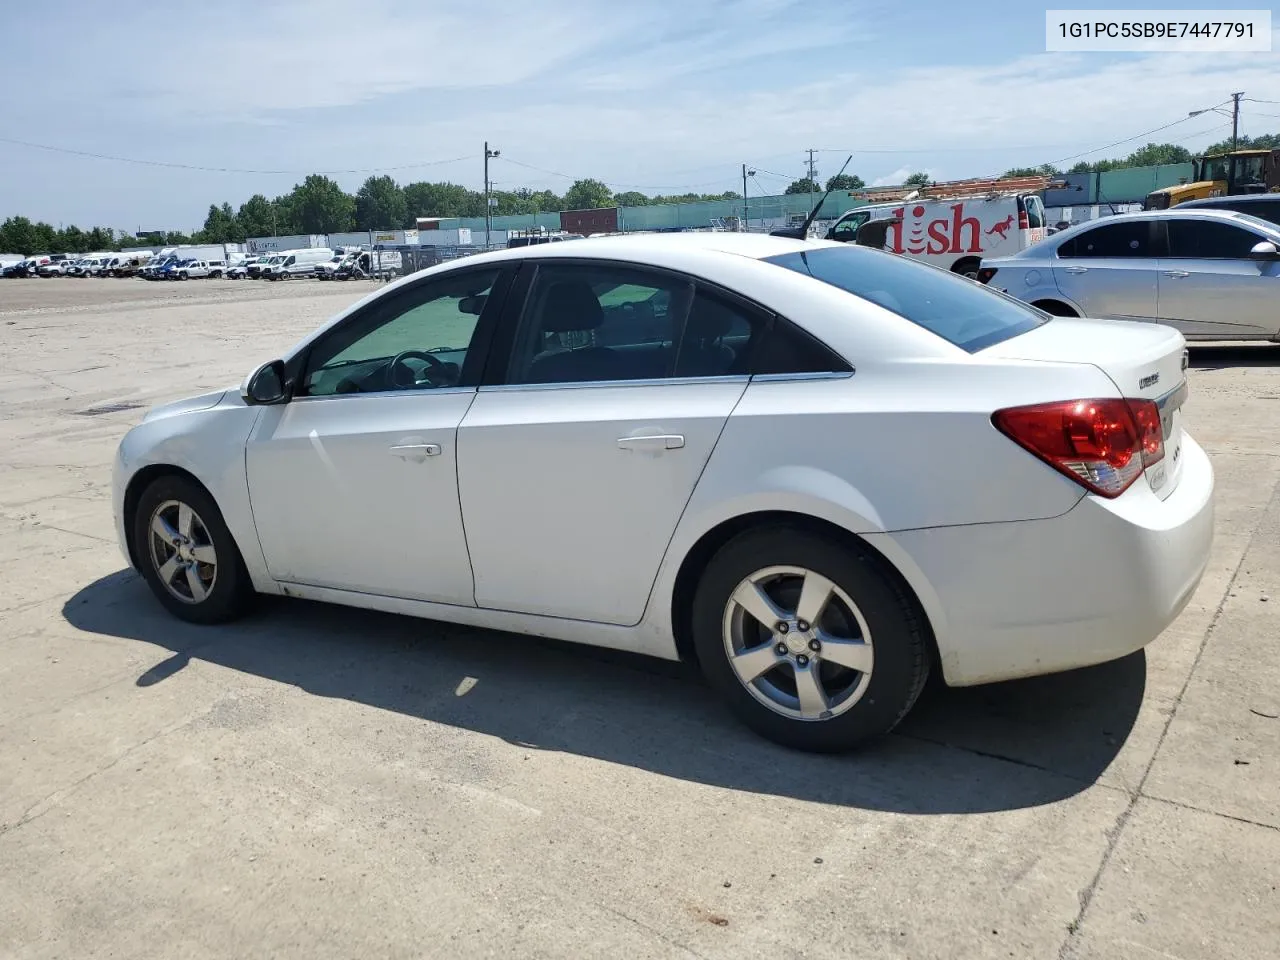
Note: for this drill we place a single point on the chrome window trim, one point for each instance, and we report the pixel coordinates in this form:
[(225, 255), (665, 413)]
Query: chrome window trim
[(784, 377), (407, 391), (663, 381), (586, 384)]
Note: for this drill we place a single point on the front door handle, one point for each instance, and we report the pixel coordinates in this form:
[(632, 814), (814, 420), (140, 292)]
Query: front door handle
[(1075, 269), (663, 441), (416, 451), (1177, 274)]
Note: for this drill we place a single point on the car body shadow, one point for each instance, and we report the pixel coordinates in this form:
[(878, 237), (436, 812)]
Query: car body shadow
[(1225, 356), (1001, 747)]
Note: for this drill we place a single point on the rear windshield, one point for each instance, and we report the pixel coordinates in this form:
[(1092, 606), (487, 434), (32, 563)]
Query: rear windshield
[(961, 311)]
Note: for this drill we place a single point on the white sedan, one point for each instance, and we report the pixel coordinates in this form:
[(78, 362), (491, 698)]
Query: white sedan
[(816, 469)]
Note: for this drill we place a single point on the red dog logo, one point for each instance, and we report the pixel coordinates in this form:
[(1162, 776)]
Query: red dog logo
[(1002, 227)]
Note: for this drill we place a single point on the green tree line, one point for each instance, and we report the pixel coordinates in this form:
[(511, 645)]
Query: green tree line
[(1153, 154), (319, 205)]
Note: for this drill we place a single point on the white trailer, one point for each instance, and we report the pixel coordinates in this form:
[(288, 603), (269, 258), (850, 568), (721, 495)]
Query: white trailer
[(202, 251), (261, 245)]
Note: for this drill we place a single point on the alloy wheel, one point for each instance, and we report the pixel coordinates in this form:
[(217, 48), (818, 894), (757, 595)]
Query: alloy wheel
[(798, 643), (182, 552)]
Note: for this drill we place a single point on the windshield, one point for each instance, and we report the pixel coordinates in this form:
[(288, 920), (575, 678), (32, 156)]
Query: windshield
[(962, 312), (276, 260), (1250, 170)]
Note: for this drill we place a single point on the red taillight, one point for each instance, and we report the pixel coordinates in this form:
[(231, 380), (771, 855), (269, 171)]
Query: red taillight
[(1103, 444), (985, 274)]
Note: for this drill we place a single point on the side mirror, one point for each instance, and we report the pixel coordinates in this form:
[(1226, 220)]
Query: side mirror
[(1266, 250), (266, 385)]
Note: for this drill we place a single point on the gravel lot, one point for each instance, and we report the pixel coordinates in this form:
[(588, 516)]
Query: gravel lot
[(317, 782)]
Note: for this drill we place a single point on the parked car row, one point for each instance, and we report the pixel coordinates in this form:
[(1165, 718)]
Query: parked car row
[(75, 265)]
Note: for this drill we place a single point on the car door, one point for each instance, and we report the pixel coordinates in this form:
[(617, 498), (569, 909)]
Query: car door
[(1109, 271), (354, 481), (577, 461), (1210, 287)]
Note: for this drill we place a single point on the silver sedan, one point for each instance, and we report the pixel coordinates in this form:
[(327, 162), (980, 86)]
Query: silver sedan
[(1212, 274)]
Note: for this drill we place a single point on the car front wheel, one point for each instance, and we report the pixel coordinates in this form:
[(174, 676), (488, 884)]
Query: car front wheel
[(187, 555), (811, 642)]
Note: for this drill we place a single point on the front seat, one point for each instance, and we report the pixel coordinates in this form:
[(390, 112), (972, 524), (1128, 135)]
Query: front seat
[(572, 307), (702, 354)]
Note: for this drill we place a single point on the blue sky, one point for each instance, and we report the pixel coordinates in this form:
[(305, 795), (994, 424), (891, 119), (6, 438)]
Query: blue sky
[(657, 96)]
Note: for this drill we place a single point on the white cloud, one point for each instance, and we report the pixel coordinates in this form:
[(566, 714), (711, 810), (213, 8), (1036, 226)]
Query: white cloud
[(649, 96), (897, 177)]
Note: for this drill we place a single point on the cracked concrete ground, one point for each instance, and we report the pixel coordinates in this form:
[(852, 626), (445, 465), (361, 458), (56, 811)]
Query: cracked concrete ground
[(318, 782)]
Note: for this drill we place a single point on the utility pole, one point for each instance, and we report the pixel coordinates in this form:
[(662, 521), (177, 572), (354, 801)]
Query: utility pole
[(746, 220), (488, 210), (813, 176), (1235, 119)]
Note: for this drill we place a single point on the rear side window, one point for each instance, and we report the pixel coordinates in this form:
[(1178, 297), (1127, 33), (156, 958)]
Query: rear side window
[(1209, 240), (960, 311), (1131, 239)]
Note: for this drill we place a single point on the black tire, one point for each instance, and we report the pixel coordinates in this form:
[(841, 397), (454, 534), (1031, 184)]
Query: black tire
[(968, 267), (231, 594), (896, 626)]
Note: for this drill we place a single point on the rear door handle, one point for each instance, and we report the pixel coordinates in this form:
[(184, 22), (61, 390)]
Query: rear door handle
[(662, 441), (1075, 269), (1177, 274), (416, 451)]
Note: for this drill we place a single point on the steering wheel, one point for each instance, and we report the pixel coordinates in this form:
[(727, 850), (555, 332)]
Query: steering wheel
[(434, 365)]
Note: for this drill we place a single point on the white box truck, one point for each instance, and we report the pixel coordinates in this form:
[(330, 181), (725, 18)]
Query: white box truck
[(296, 263)]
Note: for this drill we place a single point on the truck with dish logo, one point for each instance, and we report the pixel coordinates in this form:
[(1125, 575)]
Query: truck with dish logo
[(953, 232)]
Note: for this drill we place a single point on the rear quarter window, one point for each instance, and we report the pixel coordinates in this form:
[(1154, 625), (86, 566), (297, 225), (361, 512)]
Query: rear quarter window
[(964, 313)]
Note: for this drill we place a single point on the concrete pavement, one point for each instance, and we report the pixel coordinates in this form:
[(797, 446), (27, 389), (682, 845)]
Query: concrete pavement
[(320, 782)]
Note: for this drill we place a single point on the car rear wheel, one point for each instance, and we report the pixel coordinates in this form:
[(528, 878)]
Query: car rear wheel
[(187, 554), (1055, 308), (967, 267), (812, 644)]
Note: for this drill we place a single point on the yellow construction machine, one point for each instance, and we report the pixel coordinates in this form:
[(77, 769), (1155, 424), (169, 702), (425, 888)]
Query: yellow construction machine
[(1223, 175)]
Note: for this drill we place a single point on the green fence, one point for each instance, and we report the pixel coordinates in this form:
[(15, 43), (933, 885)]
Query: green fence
[(1114, 186), (1133, 184)]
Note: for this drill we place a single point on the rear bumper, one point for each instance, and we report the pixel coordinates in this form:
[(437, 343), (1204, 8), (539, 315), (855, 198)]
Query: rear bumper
[(1101, 581)]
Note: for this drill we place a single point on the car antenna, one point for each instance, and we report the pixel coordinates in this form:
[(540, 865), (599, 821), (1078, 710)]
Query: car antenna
[(800, 233)]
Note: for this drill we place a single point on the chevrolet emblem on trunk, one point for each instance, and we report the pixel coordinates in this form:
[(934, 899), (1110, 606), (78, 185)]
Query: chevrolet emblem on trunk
[(1150, 381)]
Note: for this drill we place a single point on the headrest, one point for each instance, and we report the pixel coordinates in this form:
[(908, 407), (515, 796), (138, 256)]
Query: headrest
[(571, 306), (708, 320)]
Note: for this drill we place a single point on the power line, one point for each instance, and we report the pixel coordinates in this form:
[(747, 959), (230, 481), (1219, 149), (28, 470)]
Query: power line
[(774, 173), (207, 169), (1139, 136), (614, 183), (947, 149)]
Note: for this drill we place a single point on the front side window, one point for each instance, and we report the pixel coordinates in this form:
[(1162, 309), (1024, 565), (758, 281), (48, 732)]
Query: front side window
[(1209, 240), (418, 340), (1034, 210), (1215, 168), (599, 323), (847, 230), (1129, 239), (966, 314)]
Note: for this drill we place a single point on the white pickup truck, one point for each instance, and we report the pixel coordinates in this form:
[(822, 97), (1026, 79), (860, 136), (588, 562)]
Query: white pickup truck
[(191, 270)]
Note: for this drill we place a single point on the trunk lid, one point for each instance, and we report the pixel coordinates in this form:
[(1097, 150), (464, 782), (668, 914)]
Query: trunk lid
[(1146, 361)]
